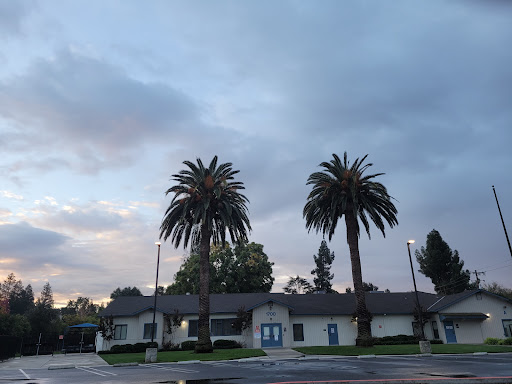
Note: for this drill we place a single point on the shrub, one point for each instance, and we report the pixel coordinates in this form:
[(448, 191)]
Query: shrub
[(131, 348), (507, 341), (492, 341), (188, 345), (395, 340), (436, 341), (226, 344), (169, 346)]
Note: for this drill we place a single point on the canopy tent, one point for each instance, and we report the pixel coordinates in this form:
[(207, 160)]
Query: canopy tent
[(84, 325)]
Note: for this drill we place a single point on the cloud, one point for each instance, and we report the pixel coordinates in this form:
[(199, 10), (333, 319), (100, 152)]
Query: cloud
[(12, 16)]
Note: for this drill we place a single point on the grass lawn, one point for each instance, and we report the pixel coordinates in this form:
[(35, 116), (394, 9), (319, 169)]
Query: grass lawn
[(409, 349), (169, 356)]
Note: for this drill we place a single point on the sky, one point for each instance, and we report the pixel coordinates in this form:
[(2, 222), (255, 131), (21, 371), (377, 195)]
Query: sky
[(102, 101)]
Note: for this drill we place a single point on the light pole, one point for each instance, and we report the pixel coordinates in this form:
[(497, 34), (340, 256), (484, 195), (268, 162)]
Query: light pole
[(156, 292), (420, 314)]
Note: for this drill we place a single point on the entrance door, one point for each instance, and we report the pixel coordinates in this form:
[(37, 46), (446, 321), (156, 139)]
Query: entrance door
[(271, 335), (449, 331), (332, 329)]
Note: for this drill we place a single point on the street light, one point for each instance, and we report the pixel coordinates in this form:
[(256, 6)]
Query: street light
[(156, 292), (420, 314)]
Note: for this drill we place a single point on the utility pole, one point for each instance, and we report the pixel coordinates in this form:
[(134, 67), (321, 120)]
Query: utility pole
[(502, 222), (477, 278)]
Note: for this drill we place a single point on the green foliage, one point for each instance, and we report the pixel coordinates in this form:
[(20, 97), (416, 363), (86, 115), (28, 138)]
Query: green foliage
[(14, 325), (243, 320), (206, 196), (226, 344), (498, 289), (20, 300), (188, 345), (133, 348), (106, 327), (507, 341), (127, 291), (395, 340), (43, 317), (492, 341), (298, 285), (443, 266), (369, 287), (322, 272), (242, 269), (83, 310)]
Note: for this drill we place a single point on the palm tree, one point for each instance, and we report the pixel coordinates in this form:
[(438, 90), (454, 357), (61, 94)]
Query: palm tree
[(342, 190), (206, 203)]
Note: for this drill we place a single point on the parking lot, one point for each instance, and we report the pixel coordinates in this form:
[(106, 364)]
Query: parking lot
[(465, 368)]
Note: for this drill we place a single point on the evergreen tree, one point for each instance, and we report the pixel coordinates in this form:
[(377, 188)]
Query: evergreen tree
[(322, 272), (369, 287), (443, 266), (127, 291)]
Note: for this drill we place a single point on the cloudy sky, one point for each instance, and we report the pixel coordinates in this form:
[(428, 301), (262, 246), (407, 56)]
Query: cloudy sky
[(101, 102)]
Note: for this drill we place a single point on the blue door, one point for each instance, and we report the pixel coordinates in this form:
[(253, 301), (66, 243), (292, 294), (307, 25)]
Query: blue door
[(332, 329), (271, 335), (449, 331)]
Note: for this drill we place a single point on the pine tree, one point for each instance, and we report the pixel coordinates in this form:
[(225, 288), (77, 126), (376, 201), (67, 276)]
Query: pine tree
[(322, 271), (443, 266)]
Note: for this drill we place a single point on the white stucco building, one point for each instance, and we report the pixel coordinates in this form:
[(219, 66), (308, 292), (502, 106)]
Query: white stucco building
[(283, 320)]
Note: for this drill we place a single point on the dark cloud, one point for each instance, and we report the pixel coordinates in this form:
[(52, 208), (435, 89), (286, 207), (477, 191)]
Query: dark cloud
[(12, 15)]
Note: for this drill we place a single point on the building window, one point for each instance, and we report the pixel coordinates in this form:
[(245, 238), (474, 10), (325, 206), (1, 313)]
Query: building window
[(507, 328), (435, 331), (192, 328), (223, 327), (120, 332), (298, 332), (147, 330)]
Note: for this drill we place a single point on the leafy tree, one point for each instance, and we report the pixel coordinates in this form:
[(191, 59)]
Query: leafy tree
[(369, 287), (498, 289), (81, 310), (244, 269), (206, 204), (322, 271), (44, 318), (14, 325), (243, 320), (443, 266), (127, 291), (298, 285), (348, 290), (20, 300), (341, 191)]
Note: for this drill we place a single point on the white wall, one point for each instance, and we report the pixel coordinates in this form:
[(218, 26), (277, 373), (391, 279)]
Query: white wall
[(275, 314)]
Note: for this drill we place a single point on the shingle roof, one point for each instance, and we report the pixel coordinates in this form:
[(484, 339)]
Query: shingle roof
[(449, 300), (311, 304)]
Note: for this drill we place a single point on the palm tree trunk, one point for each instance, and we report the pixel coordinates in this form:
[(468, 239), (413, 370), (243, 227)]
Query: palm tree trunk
[(364, 330), (204, 343)]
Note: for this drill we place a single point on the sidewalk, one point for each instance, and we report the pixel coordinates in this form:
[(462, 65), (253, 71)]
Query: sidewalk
[(282, 353), (45, 361)]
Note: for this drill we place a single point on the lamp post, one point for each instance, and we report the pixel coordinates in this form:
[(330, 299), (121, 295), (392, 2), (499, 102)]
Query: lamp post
[(420, 314), (156, 292)]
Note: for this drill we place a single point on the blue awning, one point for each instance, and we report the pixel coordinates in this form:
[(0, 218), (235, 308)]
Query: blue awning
[(84, 325)]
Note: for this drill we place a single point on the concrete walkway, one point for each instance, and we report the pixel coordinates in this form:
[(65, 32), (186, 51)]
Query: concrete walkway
[(282, 353), (49, 361)]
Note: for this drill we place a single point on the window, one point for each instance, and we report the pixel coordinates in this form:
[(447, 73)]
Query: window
[(507, 328), (223, 327), (192, 328), (435, 331), (298, 332), (147, 330), (120, 332)]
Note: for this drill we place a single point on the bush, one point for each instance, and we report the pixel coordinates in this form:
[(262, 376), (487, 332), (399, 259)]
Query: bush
[(436, 341), (396, 340), (492, 341), (169, 346), (507, 341), (188, 345), (226, 344), (131, 348)]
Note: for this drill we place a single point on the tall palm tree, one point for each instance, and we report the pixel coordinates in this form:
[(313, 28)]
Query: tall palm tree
[(206, 203), (342, 190)]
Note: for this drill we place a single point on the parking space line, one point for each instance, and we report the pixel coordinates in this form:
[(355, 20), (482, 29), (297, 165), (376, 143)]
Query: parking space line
[(179, 370), (22, 371), (90, 371), (99, 370)]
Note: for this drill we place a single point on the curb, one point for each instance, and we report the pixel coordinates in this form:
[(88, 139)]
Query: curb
[(366, 357), (479, 353), (189, 362), (64, 366), (125, 364)]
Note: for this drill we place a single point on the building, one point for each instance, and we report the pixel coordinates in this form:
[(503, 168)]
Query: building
[(284, 320)]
